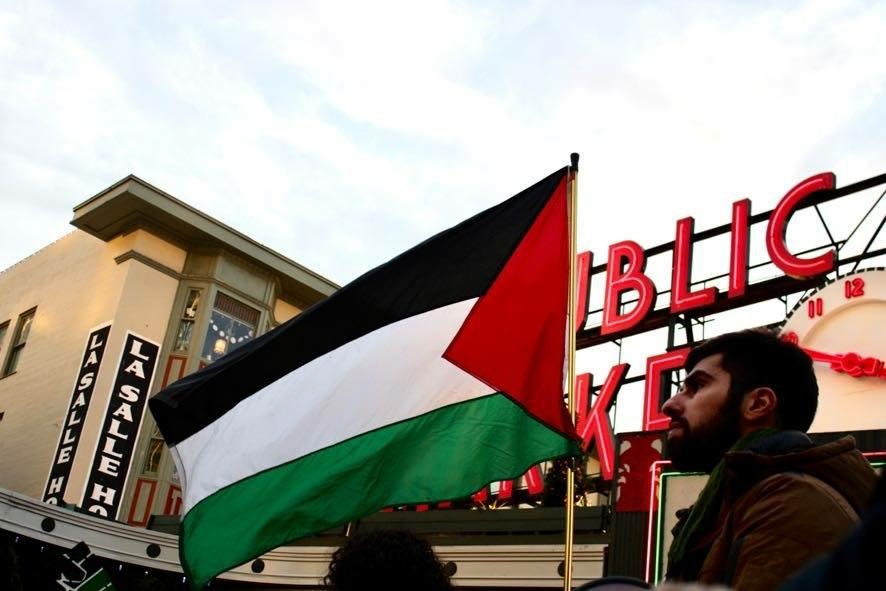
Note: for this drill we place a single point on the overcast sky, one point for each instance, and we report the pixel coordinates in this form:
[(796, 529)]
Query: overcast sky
[(341, 133)]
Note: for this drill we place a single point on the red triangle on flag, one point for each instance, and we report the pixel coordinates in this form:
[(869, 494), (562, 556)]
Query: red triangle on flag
[(514, 338)]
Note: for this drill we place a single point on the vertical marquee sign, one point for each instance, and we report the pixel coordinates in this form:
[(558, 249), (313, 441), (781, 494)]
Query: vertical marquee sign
[(123, 417), (69, 438)]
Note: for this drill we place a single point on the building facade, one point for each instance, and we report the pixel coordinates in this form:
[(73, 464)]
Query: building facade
[(144, 291)]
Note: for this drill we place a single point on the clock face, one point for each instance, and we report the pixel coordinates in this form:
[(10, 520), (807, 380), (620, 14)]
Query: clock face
[(842, 326)]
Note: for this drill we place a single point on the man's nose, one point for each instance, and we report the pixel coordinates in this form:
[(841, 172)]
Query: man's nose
[(671, 407)]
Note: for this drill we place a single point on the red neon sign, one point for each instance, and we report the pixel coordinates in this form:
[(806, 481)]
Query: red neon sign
[(653, 418), (740, 238), (582, 396), (626, 276), (793, 265), (627, 261), (682, 297), (534, 482), (596, 427), (583, 263), (626, 264)]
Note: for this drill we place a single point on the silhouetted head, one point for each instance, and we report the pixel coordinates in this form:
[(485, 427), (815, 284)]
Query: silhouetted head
[(390, 560)]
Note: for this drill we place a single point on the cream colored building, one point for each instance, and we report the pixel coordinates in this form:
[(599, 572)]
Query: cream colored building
[(145, 264)]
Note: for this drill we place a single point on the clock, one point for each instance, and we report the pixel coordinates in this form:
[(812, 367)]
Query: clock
[(842, 326)]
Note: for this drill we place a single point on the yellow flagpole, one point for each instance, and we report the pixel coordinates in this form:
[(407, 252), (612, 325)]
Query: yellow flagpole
[(570, 364)]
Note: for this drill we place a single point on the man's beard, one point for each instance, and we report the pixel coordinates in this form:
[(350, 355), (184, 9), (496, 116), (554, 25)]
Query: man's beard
[(700, 450)]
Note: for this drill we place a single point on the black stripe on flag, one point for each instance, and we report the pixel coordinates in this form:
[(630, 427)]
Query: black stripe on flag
[(455, 265)]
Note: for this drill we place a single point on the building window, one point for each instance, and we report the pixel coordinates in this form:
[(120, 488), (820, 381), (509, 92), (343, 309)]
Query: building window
[(231, 326), (154, 452), (3, 328), (18, 342), (186, 322)]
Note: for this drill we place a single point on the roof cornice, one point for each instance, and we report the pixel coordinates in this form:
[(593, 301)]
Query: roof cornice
[(132, 204)]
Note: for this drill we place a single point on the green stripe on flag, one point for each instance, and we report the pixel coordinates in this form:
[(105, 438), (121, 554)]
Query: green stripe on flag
[(446, 454)]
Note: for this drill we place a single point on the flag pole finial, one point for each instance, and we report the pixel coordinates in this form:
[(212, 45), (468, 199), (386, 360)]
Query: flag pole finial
[(574, 159)]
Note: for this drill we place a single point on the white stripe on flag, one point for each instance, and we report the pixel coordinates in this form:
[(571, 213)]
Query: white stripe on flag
[(328, 401)]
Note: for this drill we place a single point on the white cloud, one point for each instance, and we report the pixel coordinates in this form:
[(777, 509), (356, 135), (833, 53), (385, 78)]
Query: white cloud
[(408, 117), (342, 133)]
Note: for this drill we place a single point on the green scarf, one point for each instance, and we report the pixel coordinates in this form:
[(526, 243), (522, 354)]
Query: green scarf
[(703, 514)]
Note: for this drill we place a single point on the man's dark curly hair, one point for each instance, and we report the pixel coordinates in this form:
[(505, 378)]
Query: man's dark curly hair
[(390, 560), (758, 357)]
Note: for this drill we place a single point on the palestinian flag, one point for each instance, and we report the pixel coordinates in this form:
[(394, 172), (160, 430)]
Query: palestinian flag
[(423, 380)]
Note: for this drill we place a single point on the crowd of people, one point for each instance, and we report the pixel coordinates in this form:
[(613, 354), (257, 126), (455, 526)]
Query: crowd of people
[(777, 512)]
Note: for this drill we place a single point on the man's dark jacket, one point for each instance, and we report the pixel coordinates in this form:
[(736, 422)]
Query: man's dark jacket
[(785, 502), (857, 563)]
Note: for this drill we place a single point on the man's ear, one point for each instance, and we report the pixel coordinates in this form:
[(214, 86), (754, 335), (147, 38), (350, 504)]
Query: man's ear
[(759, 405)]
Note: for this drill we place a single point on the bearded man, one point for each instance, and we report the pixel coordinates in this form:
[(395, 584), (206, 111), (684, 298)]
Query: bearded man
[(773, 500)]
